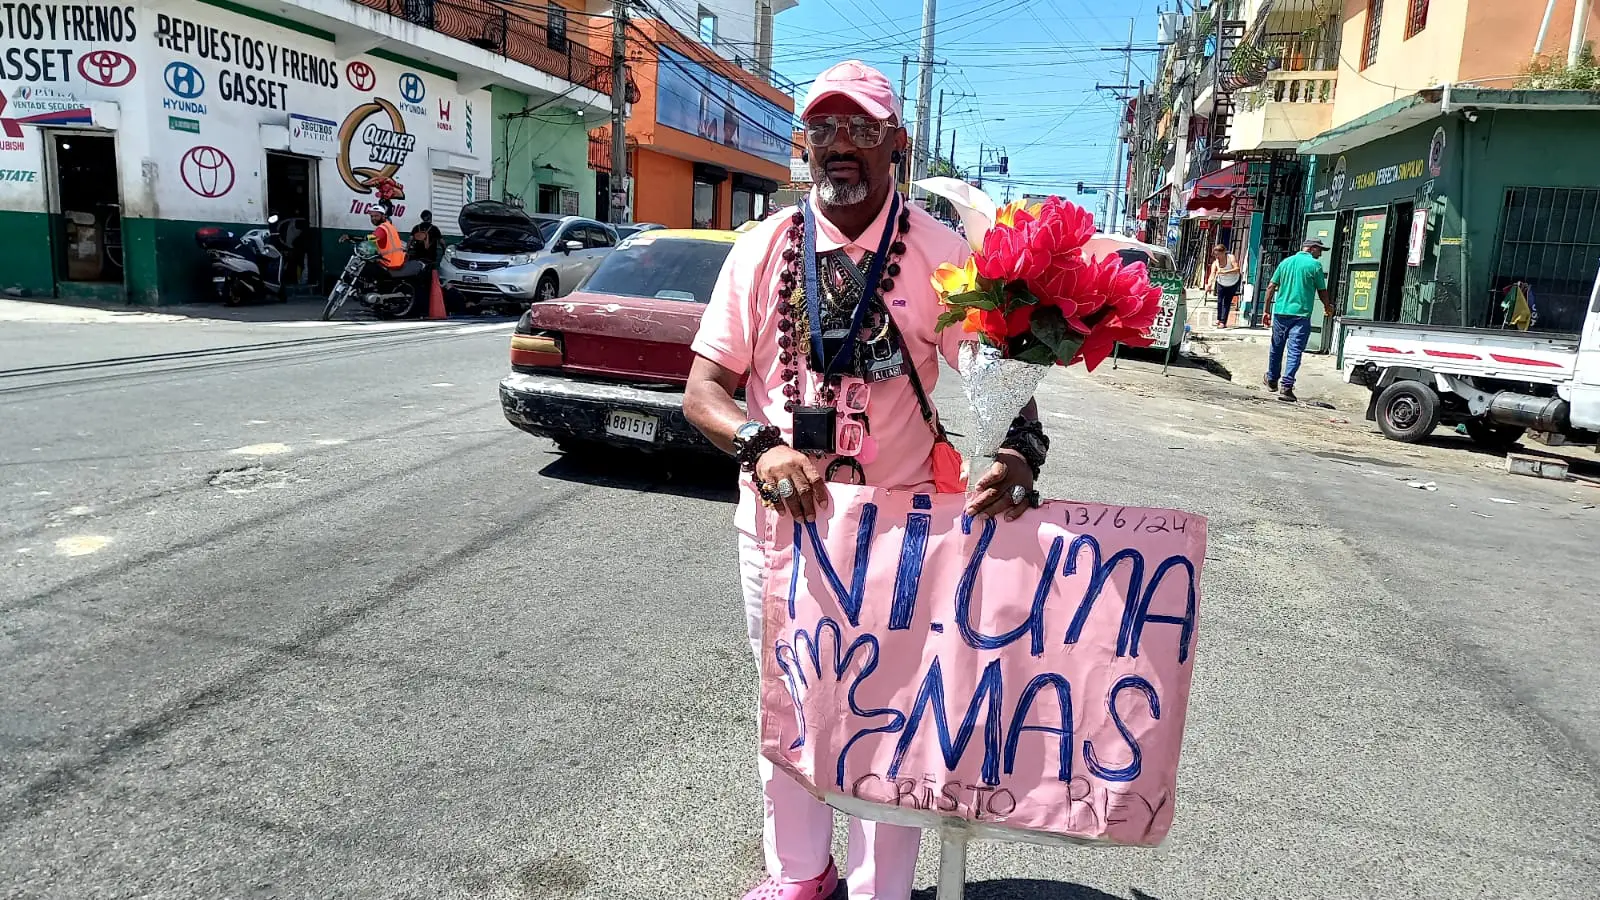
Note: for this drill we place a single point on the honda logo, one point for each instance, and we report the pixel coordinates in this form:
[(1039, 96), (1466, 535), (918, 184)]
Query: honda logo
[(444, 111)]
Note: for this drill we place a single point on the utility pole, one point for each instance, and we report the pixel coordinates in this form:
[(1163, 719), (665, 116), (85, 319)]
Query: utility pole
[(953, 153), (1139, 163), (982, 148), (938, 124), (1120, 172), (919, 163), (1118, 177), (619, 113), (905, 68)]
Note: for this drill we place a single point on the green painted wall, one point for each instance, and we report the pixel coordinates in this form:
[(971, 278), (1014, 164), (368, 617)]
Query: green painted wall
[(1516, 148), (1481, 160), (526, 144), (25, 255)]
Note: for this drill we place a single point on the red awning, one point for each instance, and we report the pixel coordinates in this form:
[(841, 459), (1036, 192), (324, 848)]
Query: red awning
[(1225, 182)]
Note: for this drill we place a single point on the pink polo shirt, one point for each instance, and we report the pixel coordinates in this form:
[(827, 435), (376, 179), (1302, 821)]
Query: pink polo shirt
[(739, 331)]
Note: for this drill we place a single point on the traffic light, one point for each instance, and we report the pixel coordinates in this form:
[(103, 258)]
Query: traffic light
[(1080, 187), (1005, 165)]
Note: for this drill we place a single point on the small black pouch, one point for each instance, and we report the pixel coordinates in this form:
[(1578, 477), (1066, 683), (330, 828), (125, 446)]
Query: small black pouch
[(815, 428), (833, 342)]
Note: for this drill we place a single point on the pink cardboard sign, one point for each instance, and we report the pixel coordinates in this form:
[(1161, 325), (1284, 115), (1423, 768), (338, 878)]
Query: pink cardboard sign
[(1029, 677)]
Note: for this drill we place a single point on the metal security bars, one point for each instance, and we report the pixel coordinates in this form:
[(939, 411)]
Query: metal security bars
[(1416, 18), (529, 35), (1550, 240), (1369, 48)]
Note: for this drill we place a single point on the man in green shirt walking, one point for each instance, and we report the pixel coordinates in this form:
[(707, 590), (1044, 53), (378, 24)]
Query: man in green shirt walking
[(1297, 281)]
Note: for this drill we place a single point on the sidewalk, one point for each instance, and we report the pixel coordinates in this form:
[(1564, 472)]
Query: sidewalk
[(1243, 350), (64, 312)]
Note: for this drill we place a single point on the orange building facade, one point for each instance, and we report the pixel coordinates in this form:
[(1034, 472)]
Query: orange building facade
[(708, 142)]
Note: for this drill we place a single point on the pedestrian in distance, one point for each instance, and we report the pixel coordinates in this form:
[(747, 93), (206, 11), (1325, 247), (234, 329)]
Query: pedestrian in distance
[(1225, 279), (1296, 283), (426, 240), (839, 390)]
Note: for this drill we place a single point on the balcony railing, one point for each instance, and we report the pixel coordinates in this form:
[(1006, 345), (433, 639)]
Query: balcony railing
[(1298, 53), (1291, 87), (526, 35)]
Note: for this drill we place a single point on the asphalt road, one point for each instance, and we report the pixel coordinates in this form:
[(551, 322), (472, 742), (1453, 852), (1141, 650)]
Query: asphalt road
[(311, 621)]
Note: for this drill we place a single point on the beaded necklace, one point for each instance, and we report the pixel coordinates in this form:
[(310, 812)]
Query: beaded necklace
[(793, 337)]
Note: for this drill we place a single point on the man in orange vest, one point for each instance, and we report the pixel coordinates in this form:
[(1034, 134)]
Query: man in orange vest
[(391, 252), (386, 237)]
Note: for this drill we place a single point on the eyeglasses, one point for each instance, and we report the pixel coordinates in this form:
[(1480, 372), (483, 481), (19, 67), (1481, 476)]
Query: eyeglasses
[(865, 132)]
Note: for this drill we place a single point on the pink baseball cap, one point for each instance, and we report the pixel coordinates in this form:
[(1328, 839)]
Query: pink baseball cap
[(859, 83)]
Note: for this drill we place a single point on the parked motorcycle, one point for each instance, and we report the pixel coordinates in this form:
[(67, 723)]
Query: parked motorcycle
[(386, 294), (256, 266)]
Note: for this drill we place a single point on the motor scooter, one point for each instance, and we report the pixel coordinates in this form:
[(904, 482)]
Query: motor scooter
[(254, 267), (387, 294)]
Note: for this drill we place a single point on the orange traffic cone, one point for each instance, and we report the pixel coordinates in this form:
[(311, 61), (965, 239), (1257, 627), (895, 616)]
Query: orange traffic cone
[(436, 299)]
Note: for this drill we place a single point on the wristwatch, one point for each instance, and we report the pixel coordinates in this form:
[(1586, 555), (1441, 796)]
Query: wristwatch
[(743, 434)]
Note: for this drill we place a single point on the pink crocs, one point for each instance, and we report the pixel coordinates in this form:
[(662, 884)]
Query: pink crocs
[(818, 888)]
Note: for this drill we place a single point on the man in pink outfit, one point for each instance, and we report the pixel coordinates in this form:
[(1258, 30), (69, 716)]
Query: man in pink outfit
[(829, 312)]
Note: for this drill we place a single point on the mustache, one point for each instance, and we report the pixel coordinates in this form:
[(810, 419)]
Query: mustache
[(844, 157)]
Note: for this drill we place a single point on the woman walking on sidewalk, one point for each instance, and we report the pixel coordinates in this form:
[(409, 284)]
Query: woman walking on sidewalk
[(1225, 278)]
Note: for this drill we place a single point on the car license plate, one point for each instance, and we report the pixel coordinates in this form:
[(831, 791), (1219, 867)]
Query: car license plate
[(636, 426), (472, 278)]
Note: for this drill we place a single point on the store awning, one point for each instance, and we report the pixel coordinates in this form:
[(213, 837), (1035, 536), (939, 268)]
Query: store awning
[(1227, 182)]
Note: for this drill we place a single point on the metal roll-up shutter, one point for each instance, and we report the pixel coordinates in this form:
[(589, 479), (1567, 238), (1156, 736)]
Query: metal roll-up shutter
[(449, 195), (754, 184), (705, 173)]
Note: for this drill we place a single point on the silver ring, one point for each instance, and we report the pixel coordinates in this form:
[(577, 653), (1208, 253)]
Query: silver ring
[(1019, 495), (785, 488)]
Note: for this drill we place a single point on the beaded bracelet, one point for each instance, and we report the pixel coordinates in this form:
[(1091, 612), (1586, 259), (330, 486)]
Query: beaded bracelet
[(1028, 439), (752, 451)]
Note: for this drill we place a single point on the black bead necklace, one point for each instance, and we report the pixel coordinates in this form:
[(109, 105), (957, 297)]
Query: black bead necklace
[(791, 304)]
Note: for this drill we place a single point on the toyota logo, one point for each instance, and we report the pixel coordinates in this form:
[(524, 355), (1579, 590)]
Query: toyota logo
[(107, 68), (207, 171), (360, 76), (412, 90), (184, 80)]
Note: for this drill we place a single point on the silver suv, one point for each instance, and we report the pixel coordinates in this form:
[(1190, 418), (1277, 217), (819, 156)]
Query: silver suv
[(509, 259)]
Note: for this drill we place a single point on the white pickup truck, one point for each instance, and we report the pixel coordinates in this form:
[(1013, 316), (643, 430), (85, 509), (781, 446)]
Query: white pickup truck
[(1498, 383)]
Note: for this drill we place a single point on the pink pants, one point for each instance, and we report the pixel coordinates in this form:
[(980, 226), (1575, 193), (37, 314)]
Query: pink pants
[(799, 828)]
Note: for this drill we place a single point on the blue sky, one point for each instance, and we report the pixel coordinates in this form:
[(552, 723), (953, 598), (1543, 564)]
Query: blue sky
[(1033, 64)]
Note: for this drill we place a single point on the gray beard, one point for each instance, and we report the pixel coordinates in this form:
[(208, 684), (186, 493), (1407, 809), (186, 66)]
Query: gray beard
[(832, 194)]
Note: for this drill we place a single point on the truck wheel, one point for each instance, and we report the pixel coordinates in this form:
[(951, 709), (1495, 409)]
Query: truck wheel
[(1408, 411), (1489, 436)]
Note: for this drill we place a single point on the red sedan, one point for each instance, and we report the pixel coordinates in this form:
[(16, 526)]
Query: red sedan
[(607, 363)]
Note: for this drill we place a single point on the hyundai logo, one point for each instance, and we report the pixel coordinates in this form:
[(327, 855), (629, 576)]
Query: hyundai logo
[(412, 89), (185, 80)]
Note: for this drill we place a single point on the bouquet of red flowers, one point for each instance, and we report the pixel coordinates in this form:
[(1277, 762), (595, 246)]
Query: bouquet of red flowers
[(1030, 292), (1031, 297)]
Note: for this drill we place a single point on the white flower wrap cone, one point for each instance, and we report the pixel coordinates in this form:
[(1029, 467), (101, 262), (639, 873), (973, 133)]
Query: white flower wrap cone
[(997, 390)]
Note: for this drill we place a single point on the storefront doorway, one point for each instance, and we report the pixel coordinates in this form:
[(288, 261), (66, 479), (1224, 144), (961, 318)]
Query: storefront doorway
[(1394, 262), (87, 205), (292, 197)]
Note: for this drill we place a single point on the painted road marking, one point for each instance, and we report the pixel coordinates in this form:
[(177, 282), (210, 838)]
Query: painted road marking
[(260, 450), (81, 545)]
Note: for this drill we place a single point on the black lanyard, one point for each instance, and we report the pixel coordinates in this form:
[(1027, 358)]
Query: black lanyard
[(847, 353)]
